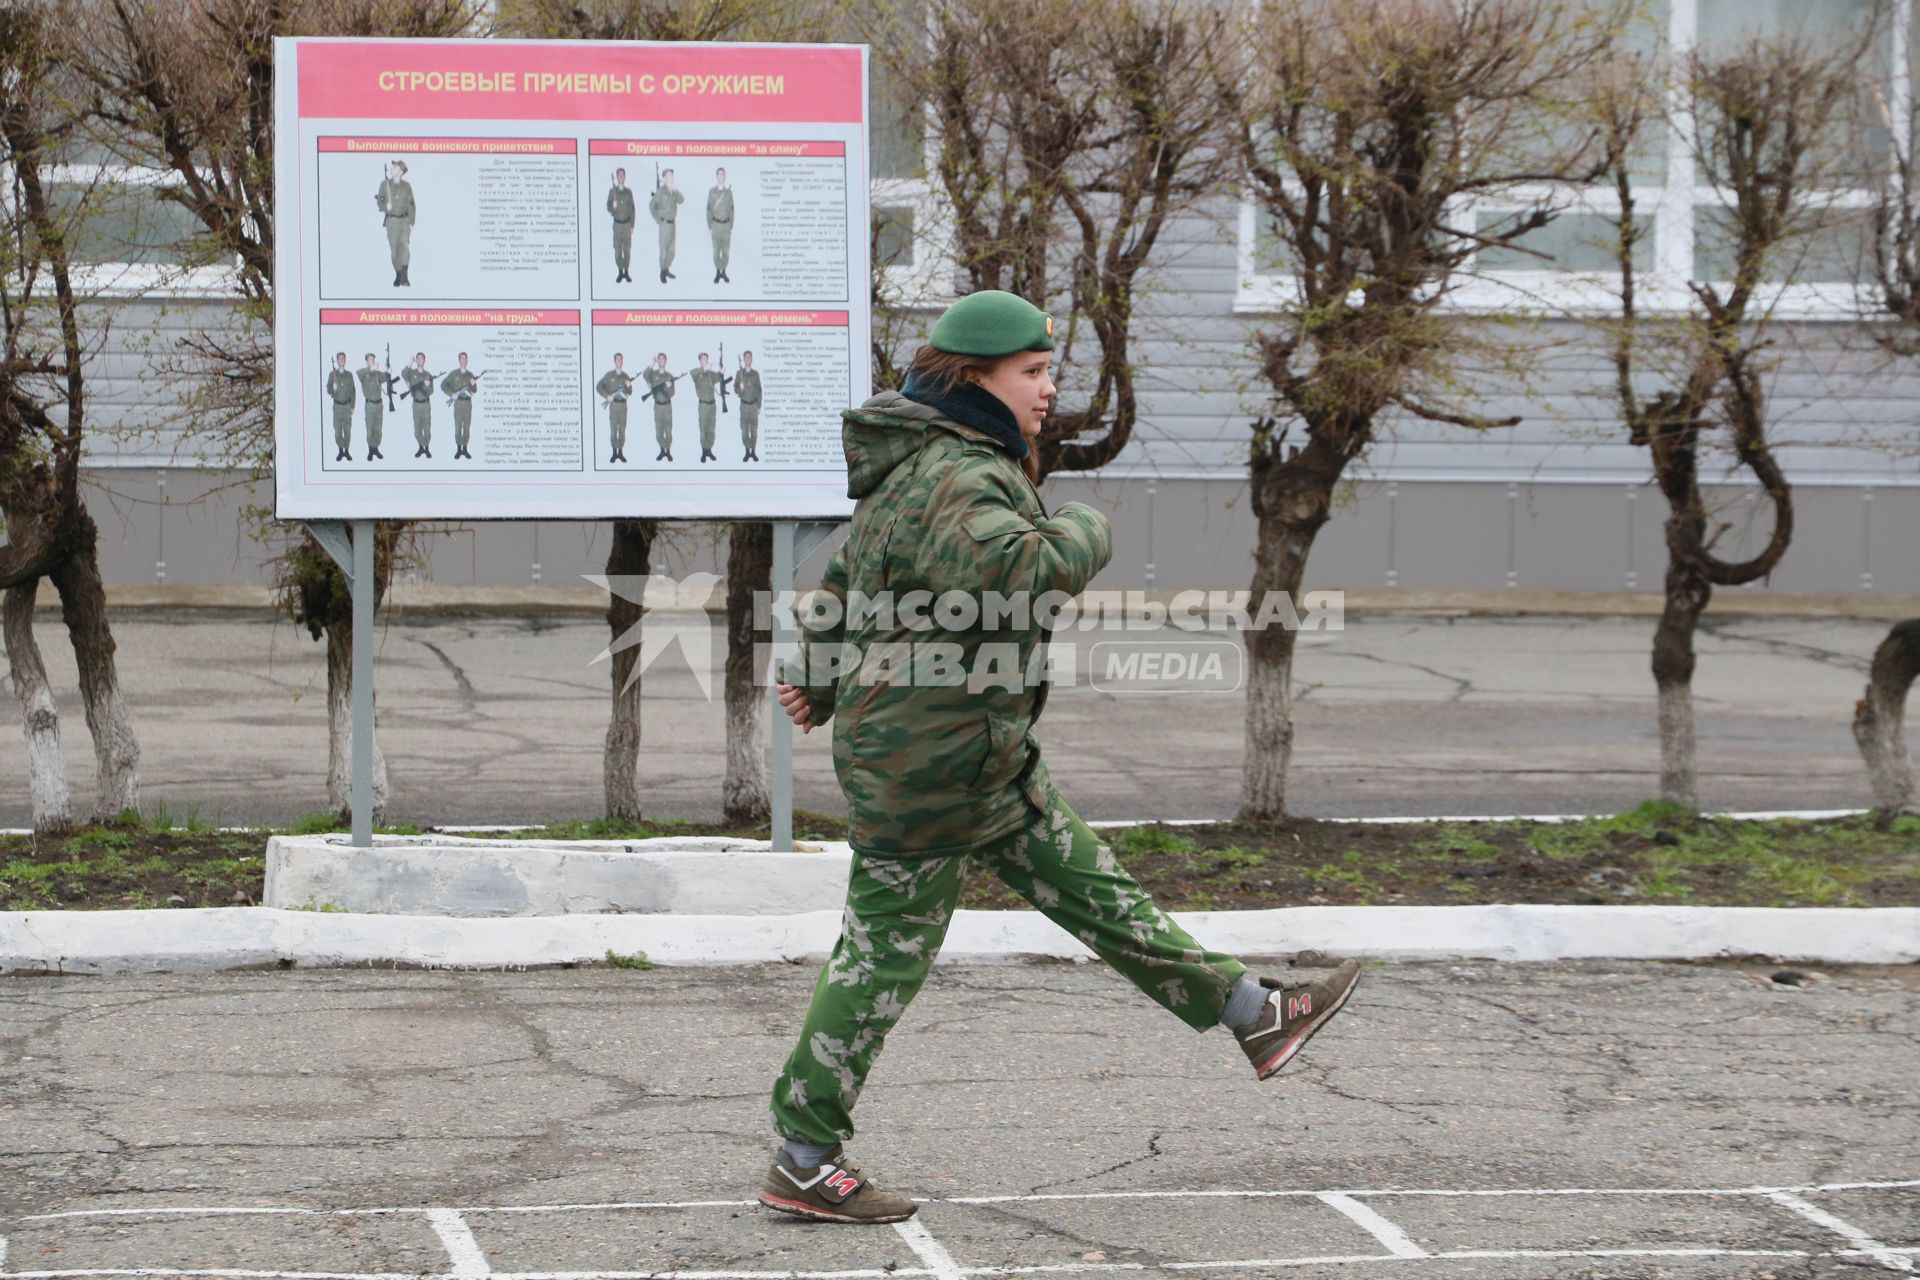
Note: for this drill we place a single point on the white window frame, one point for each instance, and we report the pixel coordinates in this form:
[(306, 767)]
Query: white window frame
[(135, 279), (928, 283), (1673, 205)]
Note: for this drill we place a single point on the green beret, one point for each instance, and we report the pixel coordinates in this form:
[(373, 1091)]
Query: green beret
[(992, 323)]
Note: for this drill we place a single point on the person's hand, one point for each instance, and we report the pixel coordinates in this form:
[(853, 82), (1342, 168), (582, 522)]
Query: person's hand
[(793, 700)]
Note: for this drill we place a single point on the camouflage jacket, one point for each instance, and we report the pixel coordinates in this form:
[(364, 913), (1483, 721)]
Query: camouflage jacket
[(931, 770)]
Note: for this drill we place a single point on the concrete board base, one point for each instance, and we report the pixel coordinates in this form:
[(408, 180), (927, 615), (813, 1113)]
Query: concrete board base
[(457, 876)]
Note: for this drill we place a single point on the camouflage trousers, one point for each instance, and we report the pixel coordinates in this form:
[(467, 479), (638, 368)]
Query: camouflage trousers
[(896, 917)]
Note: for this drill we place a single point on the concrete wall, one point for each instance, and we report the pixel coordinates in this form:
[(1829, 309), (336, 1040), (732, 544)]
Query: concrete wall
[(183, 526)]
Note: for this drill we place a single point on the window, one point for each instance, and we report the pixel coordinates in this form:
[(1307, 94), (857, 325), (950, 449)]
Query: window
[(127, 238), (1569, 264), (908, 241)]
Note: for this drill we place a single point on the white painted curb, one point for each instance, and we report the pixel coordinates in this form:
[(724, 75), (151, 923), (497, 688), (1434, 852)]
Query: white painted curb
[(191, 940)]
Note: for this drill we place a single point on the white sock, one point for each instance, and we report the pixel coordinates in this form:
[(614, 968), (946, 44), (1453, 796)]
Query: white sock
[(807, 1154), (1244, 1005)]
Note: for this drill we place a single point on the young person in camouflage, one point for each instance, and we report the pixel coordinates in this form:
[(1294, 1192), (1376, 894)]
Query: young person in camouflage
[(939, 777)]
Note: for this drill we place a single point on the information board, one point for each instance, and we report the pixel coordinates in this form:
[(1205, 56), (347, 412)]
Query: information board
[(567, 280)]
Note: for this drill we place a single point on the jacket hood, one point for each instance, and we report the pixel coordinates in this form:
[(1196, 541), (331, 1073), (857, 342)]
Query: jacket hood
[(886, 431)]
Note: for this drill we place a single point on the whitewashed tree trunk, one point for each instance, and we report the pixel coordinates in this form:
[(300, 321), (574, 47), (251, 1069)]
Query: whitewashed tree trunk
[(46, 768), (340, 730), (1291, 501), (1879, 721), (1673, 663), (743, 795), (628, 559), (116, 752)]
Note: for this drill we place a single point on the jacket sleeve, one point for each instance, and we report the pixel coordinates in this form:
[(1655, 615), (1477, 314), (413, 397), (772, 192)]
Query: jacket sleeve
[(975, 540), (817, 643)]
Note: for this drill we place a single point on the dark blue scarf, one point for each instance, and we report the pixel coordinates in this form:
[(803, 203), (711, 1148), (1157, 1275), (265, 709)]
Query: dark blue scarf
[(971, 405)]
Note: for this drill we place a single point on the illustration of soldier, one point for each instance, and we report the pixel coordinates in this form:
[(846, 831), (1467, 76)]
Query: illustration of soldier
[(614, 388), (395, 202), (340, 390), (373, 385), (665, 208), (705, 382), (620, 205), (720, 224), (460, 384), (420, 388), (746, 385), (660, 388)]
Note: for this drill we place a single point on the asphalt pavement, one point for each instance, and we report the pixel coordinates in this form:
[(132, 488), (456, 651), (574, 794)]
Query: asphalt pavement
[(1468, 1120), (501, 719)]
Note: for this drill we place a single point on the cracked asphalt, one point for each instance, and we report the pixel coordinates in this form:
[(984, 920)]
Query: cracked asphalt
[(524, 1121), (501, 719)]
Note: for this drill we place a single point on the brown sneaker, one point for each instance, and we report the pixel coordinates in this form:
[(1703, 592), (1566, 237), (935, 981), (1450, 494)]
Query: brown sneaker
[(831, 1191), (1293, 1013)]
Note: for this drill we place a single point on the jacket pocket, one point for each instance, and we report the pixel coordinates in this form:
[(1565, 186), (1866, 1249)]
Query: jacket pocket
[(1006, 752)]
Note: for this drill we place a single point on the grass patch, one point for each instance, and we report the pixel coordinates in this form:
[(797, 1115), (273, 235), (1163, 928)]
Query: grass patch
[(1651, 853)]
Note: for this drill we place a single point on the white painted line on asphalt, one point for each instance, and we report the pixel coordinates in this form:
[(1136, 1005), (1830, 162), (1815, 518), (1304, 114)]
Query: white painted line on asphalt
[(1371, 1222), (1437, 1191), (1356, 1192), (1860, 1240), (931, 1252), (1631, 1253), (904, 1273), (469, 1262)]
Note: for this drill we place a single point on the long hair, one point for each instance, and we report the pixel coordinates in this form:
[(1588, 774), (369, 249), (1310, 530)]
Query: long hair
[(946, 370)]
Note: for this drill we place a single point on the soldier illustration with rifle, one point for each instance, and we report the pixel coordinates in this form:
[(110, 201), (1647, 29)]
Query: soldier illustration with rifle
[(664, 207), (705, 382), (372, 383), (398, 213), (420, 388), (615, 386), (340, 391), (460, 384), (660, 391)]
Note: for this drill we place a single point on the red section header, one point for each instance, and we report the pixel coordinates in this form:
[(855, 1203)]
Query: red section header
[(487, 315), (583, 80), (454, 146), (789, 318), (617, 147)]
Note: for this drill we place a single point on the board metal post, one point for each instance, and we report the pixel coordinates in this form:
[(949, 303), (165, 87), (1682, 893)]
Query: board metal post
[(793, 542)]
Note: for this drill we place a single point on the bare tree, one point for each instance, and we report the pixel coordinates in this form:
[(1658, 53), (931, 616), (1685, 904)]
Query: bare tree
[(1892, 295), (1367, 128), (190, 89), (744, 795), (1067, 135), (43, 425), (1763, 120)]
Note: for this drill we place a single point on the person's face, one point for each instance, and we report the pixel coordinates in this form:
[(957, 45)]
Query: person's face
[(420, 359), (393, 172), (746, 359), (463, 360), (703, 362), (369, 362), (619, 362), (667, 178), (660, 362), (619, 177), (720, 176), (340, 361), (1023, 382)]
